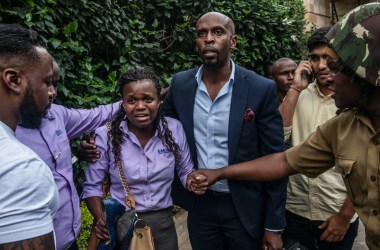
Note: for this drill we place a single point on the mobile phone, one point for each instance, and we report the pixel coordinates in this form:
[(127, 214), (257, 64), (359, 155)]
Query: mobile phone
[(310, 77)]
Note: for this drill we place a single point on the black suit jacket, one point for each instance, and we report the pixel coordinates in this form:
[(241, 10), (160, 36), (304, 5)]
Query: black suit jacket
[(259, 204)]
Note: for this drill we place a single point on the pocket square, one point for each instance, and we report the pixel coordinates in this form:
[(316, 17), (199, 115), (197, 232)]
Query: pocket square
[(249, 115)]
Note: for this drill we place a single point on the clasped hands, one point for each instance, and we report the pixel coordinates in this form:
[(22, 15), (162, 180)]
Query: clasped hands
[(199, 180), (196, 183)]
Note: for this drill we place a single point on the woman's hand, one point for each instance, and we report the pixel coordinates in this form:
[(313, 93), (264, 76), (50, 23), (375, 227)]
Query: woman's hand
[(196, 183)]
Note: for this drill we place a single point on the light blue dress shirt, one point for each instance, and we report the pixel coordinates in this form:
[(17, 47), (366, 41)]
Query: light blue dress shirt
[(211, 126)]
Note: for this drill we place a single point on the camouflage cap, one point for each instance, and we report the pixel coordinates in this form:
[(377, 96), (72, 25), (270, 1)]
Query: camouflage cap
[(356, 40)]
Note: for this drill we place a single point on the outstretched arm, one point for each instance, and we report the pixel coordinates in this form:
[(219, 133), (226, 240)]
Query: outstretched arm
[(251, 170)]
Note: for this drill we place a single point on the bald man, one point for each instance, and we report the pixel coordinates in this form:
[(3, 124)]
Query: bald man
[(230, 115), (282, 72)]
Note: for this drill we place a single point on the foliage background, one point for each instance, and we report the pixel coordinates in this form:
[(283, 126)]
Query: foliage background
[(93, 41)]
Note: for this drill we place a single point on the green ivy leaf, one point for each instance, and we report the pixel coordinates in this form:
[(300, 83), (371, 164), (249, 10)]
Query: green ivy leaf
[(70, 28)]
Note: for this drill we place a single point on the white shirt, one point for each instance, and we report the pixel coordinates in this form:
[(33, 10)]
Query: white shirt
[(29, 197)]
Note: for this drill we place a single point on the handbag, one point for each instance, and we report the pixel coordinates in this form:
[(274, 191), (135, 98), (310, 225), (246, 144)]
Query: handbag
[(111, 210), (120, 225), (124, 228), (142, 238), (129, 236)]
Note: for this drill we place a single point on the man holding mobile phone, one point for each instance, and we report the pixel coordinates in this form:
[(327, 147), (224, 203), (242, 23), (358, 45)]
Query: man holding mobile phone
[(318, 213)]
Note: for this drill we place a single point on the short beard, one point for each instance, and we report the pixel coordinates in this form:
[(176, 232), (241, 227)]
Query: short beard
[(211, 65), (324, 85), (30, 117)]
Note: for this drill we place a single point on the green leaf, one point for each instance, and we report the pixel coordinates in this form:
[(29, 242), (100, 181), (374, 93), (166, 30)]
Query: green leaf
[(55, 42), (30, 3), (71, 27)]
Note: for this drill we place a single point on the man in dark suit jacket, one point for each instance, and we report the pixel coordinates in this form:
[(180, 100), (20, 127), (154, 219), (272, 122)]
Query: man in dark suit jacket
[(230, 115)]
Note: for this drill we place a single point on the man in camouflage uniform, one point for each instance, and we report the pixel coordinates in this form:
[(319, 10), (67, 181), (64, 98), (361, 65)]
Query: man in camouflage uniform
[(351, 140)]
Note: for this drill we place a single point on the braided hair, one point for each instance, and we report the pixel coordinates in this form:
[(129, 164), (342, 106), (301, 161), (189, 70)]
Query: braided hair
[(115, 135)]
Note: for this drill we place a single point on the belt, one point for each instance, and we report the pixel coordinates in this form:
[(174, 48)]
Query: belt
[(155, 211), (217, 193)]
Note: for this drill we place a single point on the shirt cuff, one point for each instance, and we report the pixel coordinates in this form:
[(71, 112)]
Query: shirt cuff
[(275, 230), (287, 132)]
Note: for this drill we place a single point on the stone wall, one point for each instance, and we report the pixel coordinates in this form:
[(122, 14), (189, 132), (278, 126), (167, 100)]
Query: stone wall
[(319, 12)]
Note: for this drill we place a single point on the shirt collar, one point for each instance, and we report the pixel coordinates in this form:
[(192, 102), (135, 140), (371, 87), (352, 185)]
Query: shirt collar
[(363, 117), (125, 130), (7, 129), (198, 76), (359, 115), (318, 90)]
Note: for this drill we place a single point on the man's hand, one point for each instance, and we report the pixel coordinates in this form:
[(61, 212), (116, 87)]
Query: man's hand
[(163, 92), (101, 231), (272, 241), (88, 151), (335, 228), (300, 81), (196, 183), (212, 175)]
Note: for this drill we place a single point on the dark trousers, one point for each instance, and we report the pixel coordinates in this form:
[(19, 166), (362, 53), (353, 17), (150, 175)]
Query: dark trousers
[(162, 224), (214, 224), (74, 246), (307, 233)]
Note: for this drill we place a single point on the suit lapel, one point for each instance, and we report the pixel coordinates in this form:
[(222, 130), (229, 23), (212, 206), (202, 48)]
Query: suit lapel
[(190, 88), (238, 106)]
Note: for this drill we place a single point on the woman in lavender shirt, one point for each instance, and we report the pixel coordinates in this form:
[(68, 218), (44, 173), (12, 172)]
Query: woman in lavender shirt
[(151, 147)]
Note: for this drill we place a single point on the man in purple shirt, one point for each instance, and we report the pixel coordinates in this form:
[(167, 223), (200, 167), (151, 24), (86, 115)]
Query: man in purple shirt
[(28, 197), (51, 143)]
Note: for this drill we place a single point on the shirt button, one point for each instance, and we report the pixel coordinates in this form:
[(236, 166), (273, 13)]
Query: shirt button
[(373, 178), (374, 212)]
